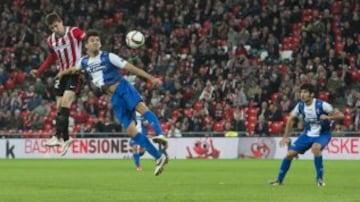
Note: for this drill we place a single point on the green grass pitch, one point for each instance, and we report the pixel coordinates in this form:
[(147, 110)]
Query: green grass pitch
[(182, 180)]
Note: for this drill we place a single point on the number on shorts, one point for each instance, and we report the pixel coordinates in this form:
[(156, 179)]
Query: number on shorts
[(57, 84)]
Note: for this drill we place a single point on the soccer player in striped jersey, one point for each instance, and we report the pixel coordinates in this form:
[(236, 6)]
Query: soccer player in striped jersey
[(103, 68), (317, 115), (65, 48)]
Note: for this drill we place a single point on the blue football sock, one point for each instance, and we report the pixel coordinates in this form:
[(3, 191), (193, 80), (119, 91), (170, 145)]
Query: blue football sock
[(144, 142), (136, 157), (153, 121), (318, 161), (285, 165)]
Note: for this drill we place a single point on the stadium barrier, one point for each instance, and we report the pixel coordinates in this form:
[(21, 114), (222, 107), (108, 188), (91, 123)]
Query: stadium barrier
[(90, 146)]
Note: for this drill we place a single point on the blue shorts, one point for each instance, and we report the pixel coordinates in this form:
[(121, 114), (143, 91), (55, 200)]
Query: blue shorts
[(304, 142), (124, 101), (132, 142)]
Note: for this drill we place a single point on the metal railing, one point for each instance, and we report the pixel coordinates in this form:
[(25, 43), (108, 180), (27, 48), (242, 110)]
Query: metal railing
[(184, 134)]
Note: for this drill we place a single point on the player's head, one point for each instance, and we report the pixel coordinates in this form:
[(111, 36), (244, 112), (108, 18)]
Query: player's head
[(92, 41), (307, 92), (55, 23)]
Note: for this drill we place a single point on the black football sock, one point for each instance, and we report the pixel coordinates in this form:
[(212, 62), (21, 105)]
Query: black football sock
[(64, 122)]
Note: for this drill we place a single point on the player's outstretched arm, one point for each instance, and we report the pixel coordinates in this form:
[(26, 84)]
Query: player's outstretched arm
[(336, 115), (47, 63), (139, 72)]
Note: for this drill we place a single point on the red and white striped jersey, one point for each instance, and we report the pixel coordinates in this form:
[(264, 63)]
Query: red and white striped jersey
[(68, 48)]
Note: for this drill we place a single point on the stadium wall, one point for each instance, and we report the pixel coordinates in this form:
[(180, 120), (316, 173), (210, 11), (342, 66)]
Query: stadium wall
[(179, 148)]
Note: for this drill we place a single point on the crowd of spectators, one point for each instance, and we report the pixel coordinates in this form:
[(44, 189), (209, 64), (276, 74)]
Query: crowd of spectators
[(227, 65)]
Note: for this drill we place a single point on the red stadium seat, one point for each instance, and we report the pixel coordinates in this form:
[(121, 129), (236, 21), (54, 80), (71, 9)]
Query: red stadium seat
[(336, 7), (76, 128), (101, 114), (275, 96), (252, 119), (347, 110), (337, 32), (108, 23), (276, 128), (150, 131), (315, 13), (198, 105), (348, 120), (37, 133), (296, 41), (207, 119), (339, 46), (165, 125), (47, 127), (307, 15), (207, 24), (253, 111), (46, 134), (250, 128), (2, 89), (296, 27), (185, 50), (324, 95), (283, 69), (188, 112), (175, 114), (287, 46), (352, 59), (336, 18), (285, 118), (202, 31), (90, 120), (218, 126), (118, 16), (20, 77), (28, 133), (13, 75), (355, 75), (148, 85), (296, 34), (9, 84), (228, 114)]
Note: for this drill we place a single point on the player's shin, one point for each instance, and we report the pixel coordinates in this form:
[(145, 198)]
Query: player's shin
[(145, 143), (285, 165), (63, 124), (153, 121), (318, 161), (136, 156), (58, 127)]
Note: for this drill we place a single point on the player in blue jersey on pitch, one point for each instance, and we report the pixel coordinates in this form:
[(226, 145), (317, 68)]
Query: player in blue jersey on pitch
[(103, 68), (136, 149), (317, 115)]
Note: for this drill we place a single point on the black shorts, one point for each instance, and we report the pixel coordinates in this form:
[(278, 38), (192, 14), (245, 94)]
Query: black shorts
[(68, 82)]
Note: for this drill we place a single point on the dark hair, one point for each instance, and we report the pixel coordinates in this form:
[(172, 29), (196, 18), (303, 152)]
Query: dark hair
[(309, 87), (90, 33), (52, 17)]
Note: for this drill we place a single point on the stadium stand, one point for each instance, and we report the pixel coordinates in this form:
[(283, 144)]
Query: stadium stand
[(213, 56)]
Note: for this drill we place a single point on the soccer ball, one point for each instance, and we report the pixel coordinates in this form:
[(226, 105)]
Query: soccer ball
[(135, 39)]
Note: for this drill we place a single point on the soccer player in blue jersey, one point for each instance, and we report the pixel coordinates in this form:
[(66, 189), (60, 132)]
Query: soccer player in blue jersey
[(317, 115), (136, 149), (137, 152), (103, 68)]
